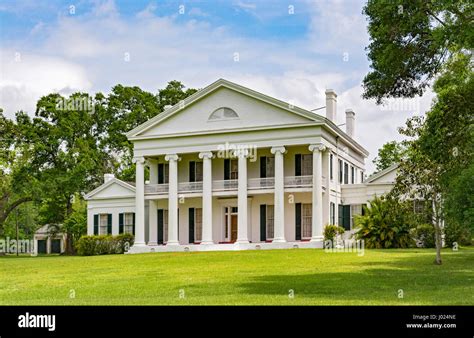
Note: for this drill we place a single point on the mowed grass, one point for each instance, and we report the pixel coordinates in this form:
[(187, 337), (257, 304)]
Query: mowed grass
[(242, 277)]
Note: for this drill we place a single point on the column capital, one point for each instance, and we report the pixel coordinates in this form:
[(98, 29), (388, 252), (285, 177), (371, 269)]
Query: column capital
[(139, 159), (206, 154), (317, 147), (150, 161), (279, 149), (171, 157)]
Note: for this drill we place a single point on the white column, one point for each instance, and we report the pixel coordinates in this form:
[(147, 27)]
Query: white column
[(153, 223), (317, 206), (153, 206), (206, 197), (173, 199), (279, 208), (242, 230), (139, 201)]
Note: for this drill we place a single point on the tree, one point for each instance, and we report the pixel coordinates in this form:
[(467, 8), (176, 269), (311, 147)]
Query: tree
[(390, 154), (410, 41)]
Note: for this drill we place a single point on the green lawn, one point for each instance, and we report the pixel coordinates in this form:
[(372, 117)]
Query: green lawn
[(242, 277)]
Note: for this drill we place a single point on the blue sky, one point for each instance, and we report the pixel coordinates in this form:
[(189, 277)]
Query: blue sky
[(292, 50)]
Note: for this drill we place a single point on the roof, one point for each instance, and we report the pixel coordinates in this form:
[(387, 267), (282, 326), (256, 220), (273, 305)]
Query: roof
[(317, 119), (381, 173), (127, 185)]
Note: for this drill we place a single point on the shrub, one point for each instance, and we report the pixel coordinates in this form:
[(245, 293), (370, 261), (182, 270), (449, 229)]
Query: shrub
[(104, 244), (424, 234), (331, 231), (385, 224), (455, 233)]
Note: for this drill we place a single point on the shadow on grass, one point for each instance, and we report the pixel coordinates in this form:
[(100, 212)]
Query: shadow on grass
[(417, 276)]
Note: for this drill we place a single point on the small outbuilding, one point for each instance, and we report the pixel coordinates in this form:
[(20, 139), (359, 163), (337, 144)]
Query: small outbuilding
[(48, 243)]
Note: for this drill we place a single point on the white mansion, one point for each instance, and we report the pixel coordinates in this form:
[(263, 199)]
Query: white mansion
[(230, 169)]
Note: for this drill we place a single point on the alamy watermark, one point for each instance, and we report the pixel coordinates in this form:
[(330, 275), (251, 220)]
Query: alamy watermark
[(12, 246), (347, 245), (229, 150)]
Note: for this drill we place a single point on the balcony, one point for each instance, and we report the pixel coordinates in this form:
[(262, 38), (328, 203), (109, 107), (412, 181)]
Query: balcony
[(232, 185)]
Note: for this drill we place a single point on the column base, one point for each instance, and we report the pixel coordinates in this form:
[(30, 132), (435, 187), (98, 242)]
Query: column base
[(139, 244), (171, 243), (279, 240), (152, 243), (242, 241), (317, 238)]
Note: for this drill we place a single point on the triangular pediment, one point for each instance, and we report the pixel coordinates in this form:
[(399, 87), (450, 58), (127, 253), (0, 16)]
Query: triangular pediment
[(223, 106), (114, 188)]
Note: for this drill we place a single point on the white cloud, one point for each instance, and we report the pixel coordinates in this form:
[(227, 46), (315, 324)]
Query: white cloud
[(87, 52)]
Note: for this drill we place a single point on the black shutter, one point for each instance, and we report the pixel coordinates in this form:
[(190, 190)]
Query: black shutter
[(346, 222), (109, 224), (298, 221), (263, 222), (192, 171), (339, 215), (263, 167), (298, 165), (161, 173), (133, 228), (363, 206), (160, 226), (96, 224), (226, 169), (331, 165), (121, 223), (191, 225)]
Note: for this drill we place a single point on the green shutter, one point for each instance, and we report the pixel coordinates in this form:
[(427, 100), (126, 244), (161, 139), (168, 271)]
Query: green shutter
[(161, 173), (339, 215), (192, 171), (226, 169), (160, 226), (133, 228), (298, 165), (346, 212), (191, 225), (109, 224), (121, 223), (263, 167), (96, 224), (331, 165), (298, 221), (263, 222)]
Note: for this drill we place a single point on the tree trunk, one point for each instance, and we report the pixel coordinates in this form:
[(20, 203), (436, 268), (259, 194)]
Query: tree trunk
[(438, 233)]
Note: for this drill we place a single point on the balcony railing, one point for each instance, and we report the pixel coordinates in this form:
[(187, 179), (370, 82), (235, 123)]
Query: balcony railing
[(190, 187), (156, 188), (225, 185), (298, 181), (261, 183), (229, 185)]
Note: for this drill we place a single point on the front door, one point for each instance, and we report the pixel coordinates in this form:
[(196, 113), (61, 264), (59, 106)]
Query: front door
[(233, 228)]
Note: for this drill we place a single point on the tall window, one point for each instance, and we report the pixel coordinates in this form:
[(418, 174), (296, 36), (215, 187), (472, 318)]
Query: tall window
[(267, 166), (128, 223), (163, 173), (332, 210), (340, 170), (307, 165), (306, 216), (104, 222), (270, 221), (330, 166), (356, 209), (195, 171), (198, 224), (346, 173), (352, 175), (231, 169), (165, 226)]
